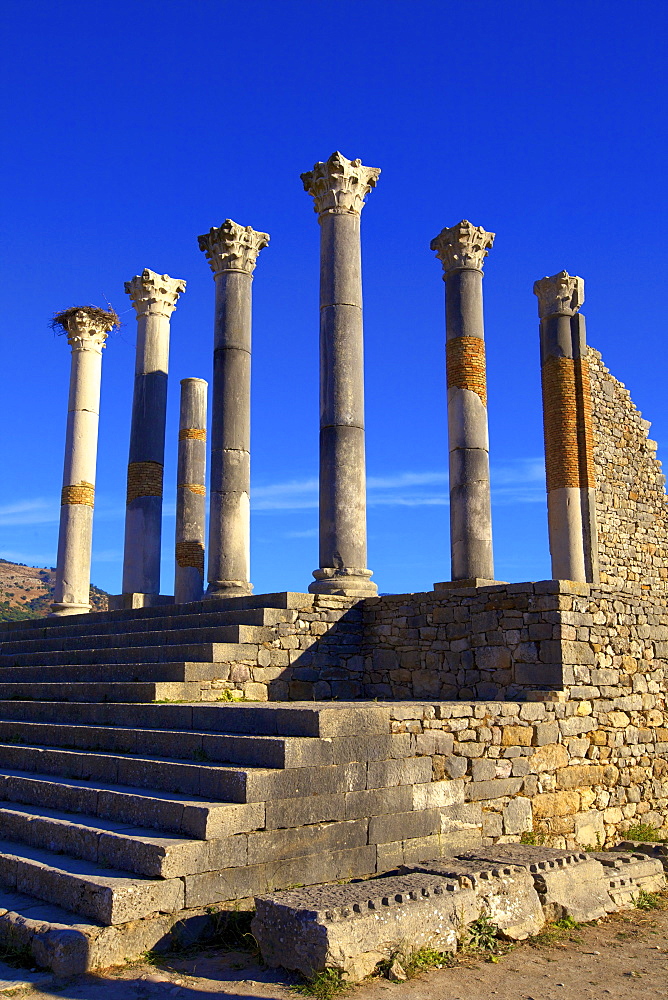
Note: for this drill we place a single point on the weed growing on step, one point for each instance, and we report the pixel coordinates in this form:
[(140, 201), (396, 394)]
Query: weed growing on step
[(556, 932), (643, 831), (648, 901), (323, 986), (425, 959), (533, 839), (482, 935), (17, 958)]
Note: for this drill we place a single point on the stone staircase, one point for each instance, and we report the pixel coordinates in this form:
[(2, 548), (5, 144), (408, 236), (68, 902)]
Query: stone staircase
[(130, 808)]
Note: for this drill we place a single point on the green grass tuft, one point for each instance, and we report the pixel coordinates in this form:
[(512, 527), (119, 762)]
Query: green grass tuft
[(645, 832), (482, 935), (324, 985), (648, 901)]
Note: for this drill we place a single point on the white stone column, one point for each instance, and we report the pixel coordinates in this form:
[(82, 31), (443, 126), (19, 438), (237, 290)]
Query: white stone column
[(461, 250), (191, 492), (232, 252), (569, 460), (86, 329), (339, 187), (154, 297)]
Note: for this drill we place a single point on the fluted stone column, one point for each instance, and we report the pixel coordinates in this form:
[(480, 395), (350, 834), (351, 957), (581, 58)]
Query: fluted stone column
[(339, 187), (232, 252), (154, 297), (569, 462), (191, 492), (86, 330), (462, 249)]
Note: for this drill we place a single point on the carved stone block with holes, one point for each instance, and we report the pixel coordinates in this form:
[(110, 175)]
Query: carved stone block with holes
[(353, 927)]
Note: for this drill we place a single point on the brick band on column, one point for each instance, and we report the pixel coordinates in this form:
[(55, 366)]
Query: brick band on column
[(466, 365), (569, 444), (144, 480), (79, 493), (192, 434), (567, 426), (190, 554)]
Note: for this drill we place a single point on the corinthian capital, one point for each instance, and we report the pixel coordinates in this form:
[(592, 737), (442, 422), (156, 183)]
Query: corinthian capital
[(462, 246), (154, 293), (232, 247), (86, 327), (339, 185), (560, 295)]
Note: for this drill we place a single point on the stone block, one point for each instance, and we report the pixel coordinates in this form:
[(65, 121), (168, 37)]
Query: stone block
[(516, 736), (385, 773), (277, 845), (648, 848), (404, 826), (546, 732), (569, 884), (437, 794), (378, 801), (498, 787), (518, 816), (629, 873), (548, 804), (351, 928), (590, 829), (288, 813), (548, 758), (506, 895)]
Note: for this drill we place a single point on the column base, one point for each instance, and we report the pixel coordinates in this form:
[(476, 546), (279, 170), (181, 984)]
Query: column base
[(471, 582), (227, 588), (343, 582), (59, 610)]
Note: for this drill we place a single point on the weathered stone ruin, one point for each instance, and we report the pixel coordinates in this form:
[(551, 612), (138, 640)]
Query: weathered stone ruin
[(184, 753)]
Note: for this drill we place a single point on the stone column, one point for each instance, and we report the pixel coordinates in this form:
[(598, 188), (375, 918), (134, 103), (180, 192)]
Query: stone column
[(154, 297), (462, 249), (569, 462), (191, 492), (232, 252), (339, 187), (86, 329)]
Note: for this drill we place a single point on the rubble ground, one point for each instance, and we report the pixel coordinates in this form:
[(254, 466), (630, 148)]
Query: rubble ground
[(623, 956)]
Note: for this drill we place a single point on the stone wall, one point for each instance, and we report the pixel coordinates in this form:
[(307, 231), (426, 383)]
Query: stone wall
[(631, 502)]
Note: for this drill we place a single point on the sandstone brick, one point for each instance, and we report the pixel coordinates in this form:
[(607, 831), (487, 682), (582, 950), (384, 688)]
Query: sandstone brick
[(548, 804)]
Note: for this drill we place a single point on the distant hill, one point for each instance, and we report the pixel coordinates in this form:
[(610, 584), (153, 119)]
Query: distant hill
[(27, 591)]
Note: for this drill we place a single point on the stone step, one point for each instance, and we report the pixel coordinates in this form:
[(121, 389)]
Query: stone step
[(67, 673), (284, 601), (44, 628), (71, 944), (105, 894), (96, 691), (115, 640), (118, 845), (209, 652), (157, 809), (216, 781), (323, 719), (254, 751)]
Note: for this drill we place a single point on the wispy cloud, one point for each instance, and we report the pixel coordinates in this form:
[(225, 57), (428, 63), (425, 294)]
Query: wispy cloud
[(37, 511), (514, 482)]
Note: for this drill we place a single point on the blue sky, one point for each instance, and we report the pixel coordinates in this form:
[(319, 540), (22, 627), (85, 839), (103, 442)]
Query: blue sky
[(132, 127)]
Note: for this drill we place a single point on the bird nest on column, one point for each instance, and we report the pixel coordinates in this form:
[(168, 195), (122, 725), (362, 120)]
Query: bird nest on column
[(107, 317)]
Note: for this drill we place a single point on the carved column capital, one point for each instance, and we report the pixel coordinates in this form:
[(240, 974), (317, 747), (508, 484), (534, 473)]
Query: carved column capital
[(462, 246), (339, 186), (232, 247), (153, 293), (560, 295), (86, 327)]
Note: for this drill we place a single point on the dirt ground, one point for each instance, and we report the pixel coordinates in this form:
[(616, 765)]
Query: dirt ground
[(624, 957)]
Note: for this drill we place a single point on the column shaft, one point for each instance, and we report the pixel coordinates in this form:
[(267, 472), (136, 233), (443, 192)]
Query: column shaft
[(462, 249), (571, 501), (87, 330), (191, 492), (232, 252), (154, 297), (229, 525), (468, 438), (339, 187)]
